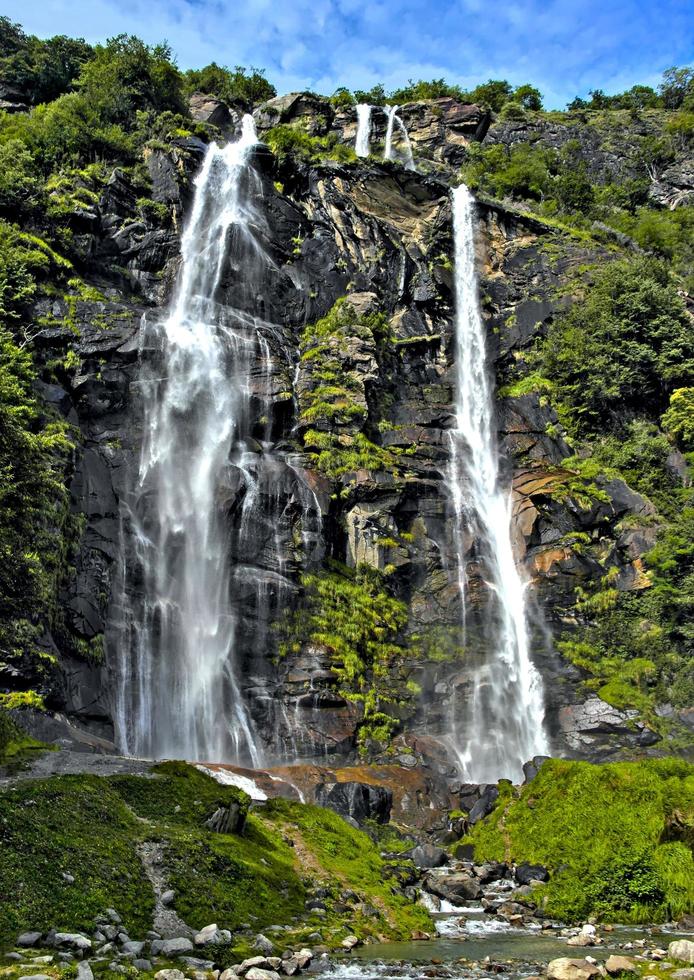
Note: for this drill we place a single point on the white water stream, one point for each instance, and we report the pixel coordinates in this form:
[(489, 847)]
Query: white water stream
[(502, 722), (362, 144), (206, 488)]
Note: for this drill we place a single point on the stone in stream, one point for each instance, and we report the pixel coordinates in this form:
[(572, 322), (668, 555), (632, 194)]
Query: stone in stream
[(681, 950), (564, 968), (429, 856), (620, 964), (453, 887)]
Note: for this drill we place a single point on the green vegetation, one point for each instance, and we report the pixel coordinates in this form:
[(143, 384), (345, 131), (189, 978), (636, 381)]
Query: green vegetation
[(340, 438), (625, 347), (289, 141), (33, 496), (616, 838), (246, 85), (355, 619), (93, 828), (348, 858)]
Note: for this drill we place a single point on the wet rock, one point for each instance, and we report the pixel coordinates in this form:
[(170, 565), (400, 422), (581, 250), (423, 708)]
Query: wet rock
[(429, 856), (359, 801), (453, 887)]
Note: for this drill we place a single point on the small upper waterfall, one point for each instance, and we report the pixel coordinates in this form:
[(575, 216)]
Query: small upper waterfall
[(404, 154), (362, 143), (503, 718), (209, 484)]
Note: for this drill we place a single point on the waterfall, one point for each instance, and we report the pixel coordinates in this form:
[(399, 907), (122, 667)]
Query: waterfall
[(405, 155), (179, 677), (503, 719), (361, 146)]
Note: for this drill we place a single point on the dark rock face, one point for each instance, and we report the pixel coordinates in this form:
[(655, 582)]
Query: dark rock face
[(381, 236), (429, 856), (356, 800)]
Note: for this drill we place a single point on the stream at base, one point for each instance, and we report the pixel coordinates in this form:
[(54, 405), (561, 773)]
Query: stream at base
[(481, 951)]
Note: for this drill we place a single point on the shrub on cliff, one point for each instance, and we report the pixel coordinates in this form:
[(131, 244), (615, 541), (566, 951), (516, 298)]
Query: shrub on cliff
[(626, 345)]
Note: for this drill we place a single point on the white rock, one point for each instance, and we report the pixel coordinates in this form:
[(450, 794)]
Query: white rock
[(255, 973), (72, 940), (564, 968), (350, 942), (169, 975), (681, 950)]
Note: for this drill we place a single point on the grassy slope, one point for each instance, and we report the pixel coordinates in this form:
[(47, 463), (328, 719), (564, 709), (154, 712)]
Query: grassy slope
[(617, 837), (90, 827)]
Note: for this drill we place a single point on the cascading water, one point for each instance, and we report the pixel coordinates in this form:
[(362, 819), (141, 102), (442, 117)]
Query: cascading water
[(503, 719), (179, 680), (405, 154), (362, 143)]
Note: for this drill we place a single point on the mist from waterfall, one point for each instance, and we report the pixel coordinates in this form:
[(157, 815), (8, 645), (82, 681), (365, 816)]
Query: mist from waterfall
[(363, 140), (502, 722), (179, 684)]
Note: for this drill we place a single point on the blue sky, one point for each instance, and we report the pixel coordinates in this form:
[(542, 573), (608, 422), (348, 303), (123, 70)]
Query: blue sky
[(565, 47)]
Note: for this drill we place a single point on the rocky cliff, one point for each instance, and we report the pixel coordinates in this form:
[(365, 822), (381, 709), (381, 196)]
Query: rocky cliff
[(360, 288)]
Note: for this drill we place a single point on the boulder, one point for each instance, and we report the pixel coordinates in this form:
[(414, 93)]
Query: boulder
[(429, 856), (681, 950), (255, 973), (350, 942), (169, 975), (453, 887), (484, 805), (564, 968), (360, 801), (525, 873), (84, 971), (264, 944), (207, 109), (620, 964), (171, 947), (211, 934), (71, 940), (261, 962), (28, 938)]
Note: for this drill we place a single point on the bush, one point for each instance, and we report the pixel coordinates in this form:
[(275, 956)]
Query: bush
[(627, 345), (247, 85), (600, 831)]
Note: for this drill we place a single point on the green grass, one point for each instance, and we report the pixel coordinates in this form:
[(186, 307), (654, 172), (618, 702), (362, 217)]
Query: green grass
[(604, 833), (349, 859), (91, 828), (80, 826)]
